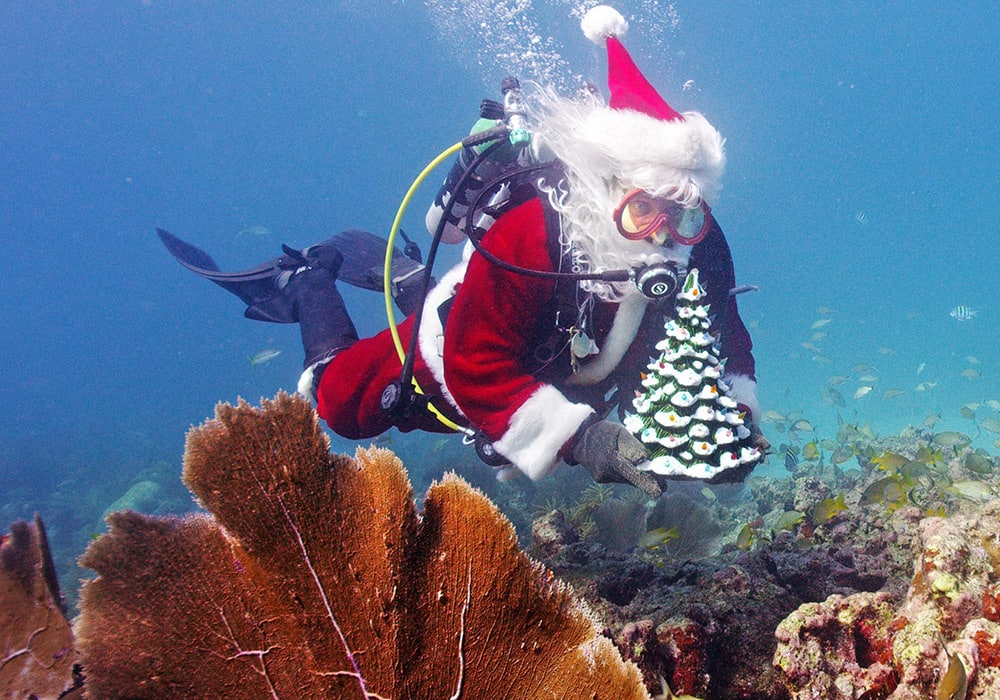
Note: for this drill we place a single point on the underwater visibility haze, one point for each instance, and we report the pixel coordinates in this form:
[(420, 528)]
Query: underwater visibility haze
[(860, 198)]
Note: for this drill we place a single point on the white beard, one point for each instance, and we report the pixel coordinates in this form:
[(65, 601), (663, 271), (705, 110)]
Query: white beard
[(589, 229)]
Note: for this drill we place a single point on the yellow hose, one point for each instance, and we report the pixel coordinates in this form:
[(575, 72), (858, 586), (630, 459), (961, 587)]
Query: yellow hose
[(387, 276)]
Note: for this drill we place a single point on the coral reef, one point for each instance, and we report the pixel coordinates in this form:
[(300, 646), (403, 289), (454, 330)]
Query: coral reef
[(705, 618), (706, 626), (314, 576), (37, 654), (838, 649), (872, 570), (942, 641)]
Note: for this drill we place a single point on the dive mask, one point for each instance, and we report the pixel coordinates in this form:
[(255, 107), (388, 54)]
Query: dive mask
[(641, 215)]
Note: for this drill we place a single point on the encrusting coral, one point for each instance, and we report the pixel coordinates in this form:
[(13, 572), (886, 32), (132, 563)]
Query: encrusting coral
[(838, 649), (314, 576), (943, 641), (36, 642)]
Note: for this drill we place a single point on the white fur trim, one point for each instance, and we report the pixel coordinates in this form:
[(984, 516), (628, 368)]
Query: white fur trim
[(431, 337), (539, 429), (601, 22), (658, 156), (744, 390), (305, 386), (628, 317)]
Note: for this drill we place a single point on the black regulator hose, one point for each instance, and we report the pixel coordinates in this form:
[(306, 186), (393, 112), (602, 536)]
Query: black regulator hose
[(497, 134), (606, 276)]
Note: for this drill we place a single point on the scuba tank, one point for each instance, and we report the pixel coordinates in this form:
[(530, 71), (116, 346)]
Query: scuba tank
[(491, 150), (502, 160)]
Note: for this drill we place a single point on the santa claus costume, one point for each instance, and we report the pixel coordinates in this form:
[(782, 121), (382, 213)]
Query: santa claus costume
[(531, 362)]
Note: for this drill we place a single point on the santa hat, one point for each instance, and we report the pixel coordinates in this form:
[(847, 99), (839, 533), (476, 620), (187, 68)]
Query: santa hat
[(652, 143)]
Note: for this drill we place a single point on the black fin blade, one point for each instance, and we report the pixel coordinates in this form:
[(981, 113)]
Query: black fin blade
[(253, 286), (364, 259)]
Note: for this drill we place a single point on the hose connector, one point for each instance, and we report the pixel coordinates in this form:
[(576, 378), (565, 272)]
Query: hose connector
[(514, 114)]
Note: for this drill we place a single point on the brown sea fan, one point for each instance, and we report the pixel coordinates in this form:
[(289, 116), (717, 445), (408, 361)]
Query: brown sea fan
[(36, 642), (314, 576)]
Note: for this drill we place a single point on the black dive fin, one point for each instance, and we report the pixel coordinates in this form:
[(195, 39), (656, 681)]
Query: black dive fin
[(255, 287), (189, 256), (364, 259), (278, 309)]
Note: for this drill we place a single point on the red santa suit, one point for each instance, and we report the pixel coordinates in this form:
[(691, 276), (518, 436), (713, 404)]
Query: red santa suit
[(481, 364), (494, 345)]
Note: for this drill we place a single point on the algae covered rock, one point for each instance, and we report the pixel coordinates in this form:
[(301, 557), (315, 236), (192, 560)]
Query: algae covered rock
[(942, 641), (838, 649)]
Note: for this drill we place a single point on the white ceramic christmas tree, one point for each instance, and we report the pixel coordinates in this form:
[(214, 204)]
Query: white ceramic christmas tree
[(685, 417)]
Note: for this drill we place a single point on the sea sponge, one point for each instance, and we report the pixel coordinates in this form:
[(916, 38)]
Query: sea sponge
[(314, 577)]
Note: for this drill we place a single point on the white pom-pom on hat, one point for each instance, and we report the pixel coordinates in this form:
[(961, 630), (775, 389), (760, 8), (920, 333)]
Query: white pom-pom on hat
[(638, 133), (601, 22)]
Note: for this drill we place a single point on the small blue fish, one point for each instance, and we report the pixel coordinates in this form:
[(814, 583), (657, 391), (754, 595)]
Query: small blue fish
[(963, 313), (262, 357)]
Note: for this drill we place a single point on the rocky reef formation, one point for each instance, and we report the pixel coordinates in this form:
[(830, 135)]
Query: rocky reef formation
[(314, 576), (839, 648), (942, 641), (801, 586), (706, 626)]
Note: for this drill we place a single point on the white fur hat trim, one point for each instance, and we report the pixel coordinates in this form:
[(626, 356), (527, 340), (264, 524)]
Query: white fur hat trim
[(651, 153)]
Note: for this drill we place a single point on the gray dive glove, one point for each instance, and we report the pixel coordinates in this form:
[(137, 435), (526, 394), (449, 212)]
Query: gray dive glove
[(609, 452)]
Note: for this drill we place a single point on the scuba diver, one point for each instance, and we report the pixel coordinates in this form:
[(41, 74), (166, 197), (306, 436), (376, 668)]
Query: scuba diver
[(574, 246)]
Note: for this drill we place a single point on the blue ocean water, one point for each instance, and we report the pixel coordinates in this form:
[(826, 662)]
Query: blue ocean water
[(861, 197)]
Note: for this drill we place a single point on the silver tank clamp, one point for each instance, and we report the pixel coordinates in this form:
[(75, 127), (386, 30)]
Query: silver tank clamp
[(487, 452)]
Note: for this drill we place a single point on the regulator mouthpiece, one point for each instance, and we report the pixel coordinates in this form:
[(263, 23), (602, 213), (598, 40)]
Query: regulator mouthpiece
[(657, 281)]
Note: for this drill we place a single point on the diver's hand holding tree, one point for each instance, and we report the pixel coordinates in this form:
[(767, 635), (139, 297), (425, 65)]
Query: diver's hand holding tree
[(610, 454)]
